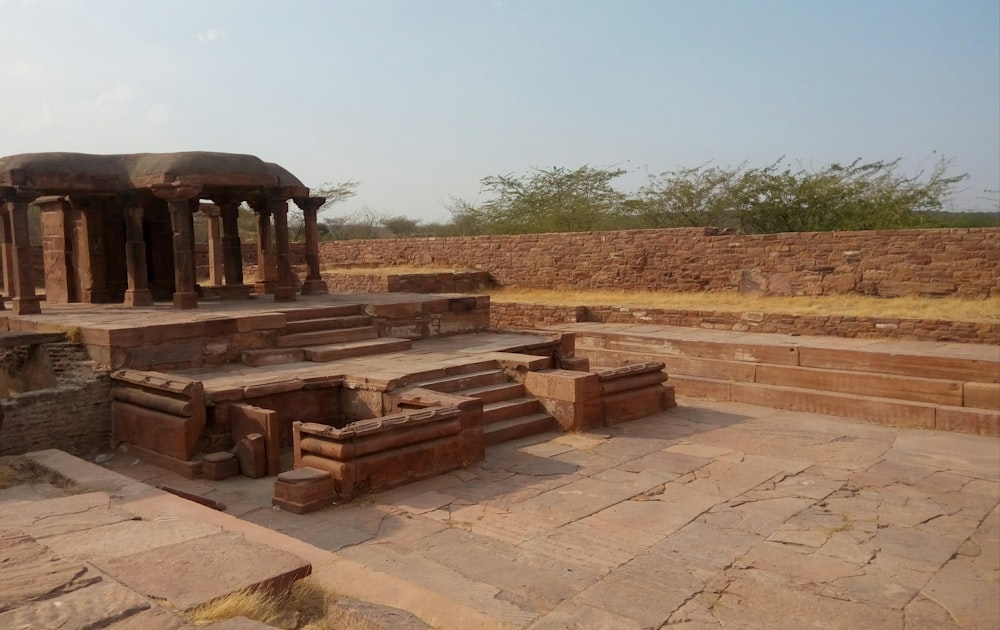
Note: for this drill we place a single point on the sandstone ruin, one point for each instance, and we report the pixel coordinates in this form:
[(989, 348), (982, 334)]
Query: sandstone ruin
[(263, 381), (119, 228)]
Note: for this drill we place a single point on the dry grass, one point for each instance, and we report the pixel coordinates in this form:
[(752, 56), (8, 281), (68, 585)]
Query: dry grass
[(303, 607), (948, 308), (16, 471)]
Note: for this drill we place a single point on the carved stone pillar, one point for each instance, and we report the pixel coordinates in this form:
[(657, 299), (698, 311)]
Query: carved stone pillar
[(18, 252), (266, 270), (178, 200), (137, 291), (6, 253), (232, 249), (314, 284), (215, 254), (57, 249), (88, 252), (285, 291)]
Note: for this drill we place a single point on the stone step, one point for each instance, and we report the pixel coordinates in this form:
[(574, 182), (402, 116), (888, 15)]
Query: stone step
[(350, 349), (958, 362), (494, 393), (702, 387), (519, 427), (327, 323), (888, 411), (272, 356), (699, 374), (507, 409), (322, 337), (459, 382), (318, 312), (912, 388)]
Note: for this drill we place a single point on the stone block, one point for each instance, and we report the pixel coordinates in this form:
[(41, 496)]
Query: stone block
[(157, 431), (904, 387), (780, 354), (204, 569), (700, 387), (968, 420), (220, 465), (398, 310), (272, 356), (245, 420), (632, 404), (981, 395), (577, 364), (627, 382), (251, 453), (881, 410), (897, 363), (304, 490), (564, 385), (388, 469)]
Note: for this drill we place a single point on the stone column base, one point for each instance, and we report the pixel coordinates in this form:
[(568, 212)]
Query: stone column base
[(264, 287), (140, 297), (26, 305), (314, 287), (185, 300), (284, 294)]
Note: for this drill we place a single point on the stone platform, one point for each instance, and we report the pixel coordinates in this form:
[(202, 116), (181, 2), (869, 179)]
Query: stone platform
[(219, 332), (713, 515), (124, 554), (931, 385)]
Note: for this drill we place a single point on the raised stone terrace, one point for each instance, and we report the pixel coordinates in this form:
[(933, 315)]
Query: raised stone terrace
[(197, 384), (592, 507)]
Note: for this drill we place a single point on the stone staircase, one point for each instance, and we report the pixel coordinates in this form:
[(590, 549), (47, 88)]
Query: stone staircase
[(509, 412), (930, 385), (325, 334)]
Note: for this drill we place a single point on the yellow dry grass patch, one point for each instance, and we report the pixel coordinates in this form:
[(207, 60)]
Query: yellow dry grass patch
[(15, 471), (303, 607), (946, 308)]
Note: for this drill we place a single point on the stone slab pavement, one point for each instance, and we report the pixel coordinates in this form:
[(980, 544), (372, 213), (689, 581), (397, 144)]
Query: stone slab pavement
[(79, 560), (709, 515)]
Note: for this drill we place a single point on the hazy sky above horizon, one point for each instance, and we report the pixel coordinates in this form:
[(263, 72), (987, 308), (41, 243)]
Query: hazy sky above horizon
[(418, 100)]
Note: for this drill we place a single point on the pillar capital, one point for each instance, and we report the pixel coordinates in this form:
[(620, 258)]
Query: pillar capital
[(18, 194), (275, 204), (210, 210), (176, 192), (310, 204)]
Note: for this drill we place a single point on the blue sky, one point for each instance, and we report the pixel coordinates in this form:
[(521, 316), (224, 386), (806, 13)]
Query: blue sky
[(418, 100)]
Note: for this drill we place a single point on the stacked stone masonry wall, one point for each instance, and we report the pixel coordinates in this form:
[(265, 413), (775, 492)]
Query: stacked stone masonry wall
[(72, 417), (512, 315), (960, 262)]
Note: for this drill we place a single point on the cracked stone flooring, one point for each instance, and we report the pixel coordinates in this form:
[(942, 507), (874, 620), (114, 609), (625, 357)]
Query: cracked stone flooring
[(710, 515)]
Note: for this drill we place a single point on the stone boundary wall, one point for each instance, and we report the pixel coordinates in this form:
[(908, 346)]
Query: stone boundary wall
[(957, 261), (513, 315), (450, 282)]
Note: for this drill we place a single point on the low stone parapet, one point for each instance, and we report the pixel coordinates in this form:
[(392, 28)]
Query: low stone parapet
[(161, 416), (634, 391), (380, 453)]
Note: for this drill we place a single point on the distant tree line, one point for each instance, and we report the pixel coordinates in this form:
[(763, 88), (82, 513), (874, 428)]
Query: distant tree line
[(751, 200)]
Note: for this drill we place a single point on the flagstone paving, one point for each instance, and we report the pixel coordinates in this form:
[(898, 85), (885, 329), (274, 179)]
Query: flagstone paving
[(710, 515)]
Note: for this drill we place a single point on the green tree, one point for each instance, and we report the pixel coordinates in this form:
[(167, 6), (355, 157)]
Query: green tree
[(687, 197), (778, 198), (544, 200), (859, 196)]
